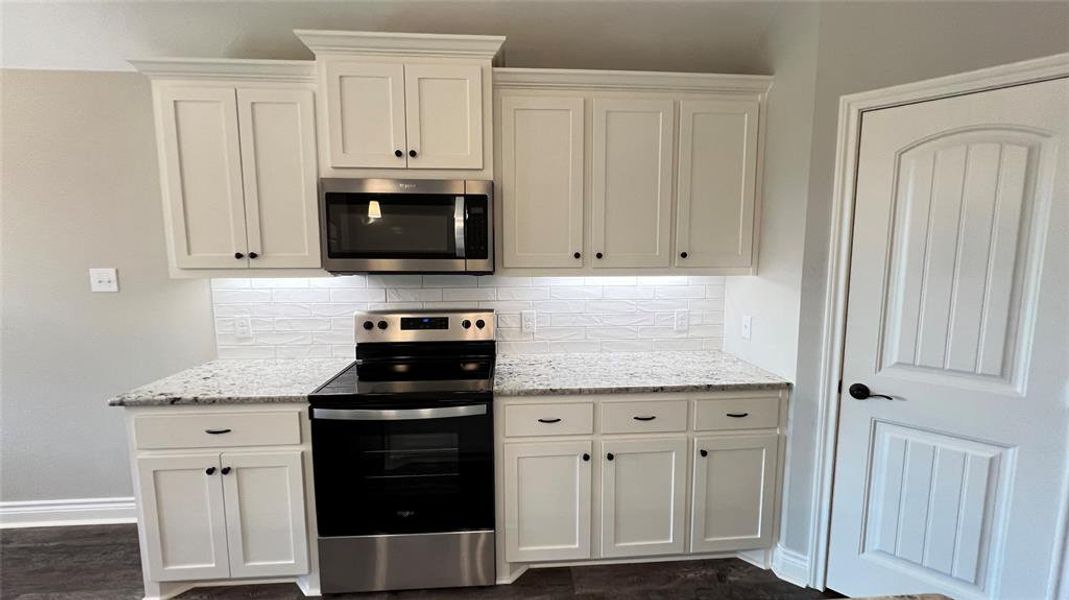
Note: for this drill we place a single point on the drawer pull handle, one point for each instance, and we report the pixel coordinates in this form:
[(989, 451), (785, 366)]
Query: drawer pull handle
[(649, 418), (703, 452), (216, 431), (555, 420), (738, 415)]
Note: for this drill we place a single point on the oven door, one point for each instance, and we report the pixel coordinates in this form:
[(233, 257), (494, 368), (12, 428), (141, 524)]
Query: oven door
[(403, 470)]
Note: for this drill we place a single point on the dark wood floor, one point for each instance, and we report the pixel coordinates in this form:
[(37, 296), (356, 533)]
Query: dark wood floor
[(82, 563)]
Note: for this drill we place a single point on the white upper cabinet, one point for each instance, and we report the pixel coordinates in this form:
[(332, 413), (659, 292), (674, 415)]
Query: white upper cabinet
[(278, 152), (201, 163), (365, 114), (631, 184), (716, 179), (443, 114), (541, 180)]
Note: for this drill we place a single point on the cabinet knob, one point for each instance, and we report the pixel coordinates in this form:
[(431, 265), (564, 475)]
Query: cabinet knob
[(586, 457), (253, 255), (239, 255), (704, 453), (210, 471), (610, 456), (398, 153), (598, 255), (682, 255), (577, 255), (226, 470), (412, 153)]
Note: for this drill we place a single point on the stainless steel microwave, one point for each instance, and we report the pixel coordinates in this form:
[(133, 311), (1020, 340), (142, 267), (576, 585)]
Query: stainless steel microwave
[(406, 226)]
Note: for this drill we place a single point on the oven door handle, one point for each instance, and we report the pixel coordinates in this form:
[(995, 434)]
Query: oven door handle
[(458, 225), (407, 414)]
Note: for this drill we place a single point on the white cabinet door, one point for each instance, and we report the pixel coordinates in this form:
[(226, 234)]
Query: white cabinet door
[(643, 496), (631, 183), (279, 169), (202, 169), (547, 501), (365, 114), (265, 513), (542, 181), (734, 484), (717, 175), (444, 116), (182, 517)]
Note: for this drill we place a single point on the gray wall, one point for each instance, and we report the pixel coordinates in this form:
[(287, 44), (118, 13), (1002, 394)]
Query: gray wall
[(80, 190)]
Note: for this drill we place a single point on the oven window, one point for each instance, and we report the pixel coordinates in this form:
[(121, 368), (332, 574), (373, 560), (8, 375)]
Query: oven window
[(390, 226), (418, 476)]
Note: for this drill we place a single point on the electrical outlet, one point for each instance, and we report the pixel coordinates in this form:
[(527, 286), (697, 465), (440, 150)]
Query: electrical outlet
[(747, 327), (529, 321), (103, 280), (242, 327), (682, 322)]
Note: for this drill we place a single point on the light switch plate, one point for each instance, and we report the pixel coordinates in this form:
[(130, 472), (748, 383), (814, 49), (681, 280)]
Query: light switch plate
[(103, 280), (747, 327), (528, 321)]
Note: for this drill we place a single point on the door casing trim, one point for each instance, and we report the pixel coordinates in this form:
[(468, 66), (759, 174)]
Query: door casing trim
[(848, 137)]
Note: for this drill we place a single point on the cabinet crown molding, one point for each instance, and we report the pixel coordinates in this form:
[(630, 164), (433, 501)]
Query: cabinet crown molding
[(298, 71), (587, 79), (401, 44)]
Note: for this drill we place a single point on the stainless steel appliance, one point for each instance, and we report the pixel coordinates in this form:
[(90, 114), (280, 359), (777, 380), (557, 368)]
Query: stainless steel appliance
[(402, 446), (407, 225)]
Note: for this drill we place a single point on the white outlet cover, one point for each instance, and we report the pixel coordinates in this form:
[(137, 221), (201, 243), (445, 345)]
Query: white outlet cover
[(747, 327), (682, 321), (528, 321), (103, 280), (243, 328)]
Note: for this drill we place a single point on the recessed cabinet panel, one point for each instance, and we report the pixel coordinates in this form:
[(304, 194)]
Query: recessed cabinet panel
[(181, 499), (444, 116), (643, 496), (202, 171), (365, 114), (734, 483), (716, 180), (547, 501), (542, 181), (279, 169)]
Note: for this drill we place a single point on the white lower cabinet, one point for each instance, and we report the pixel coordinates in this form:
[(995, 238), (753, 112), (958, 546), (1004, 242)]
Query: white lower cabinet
[(734, 484), (547, 501), (643, 492)]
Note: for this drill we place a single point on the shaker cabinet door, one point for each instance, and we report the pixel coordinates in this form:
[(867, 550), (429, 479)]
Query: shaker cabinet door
[(201, 164), (444, 116), (643, 496), (547, 501), (734, 492), (716, 180), (365, 114), (181, 501), (631, 182), (278, 156), (541, 181)]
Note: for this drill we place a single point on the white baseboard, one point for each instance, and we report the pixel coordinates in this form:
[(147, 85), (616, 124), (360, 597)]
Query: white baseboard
[(76, 511), (791, 566)]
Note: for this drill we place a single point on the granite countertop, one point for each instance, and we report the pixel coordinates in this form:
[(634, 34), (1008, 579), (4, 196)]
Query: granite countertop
[(628, 372), (260, 381)]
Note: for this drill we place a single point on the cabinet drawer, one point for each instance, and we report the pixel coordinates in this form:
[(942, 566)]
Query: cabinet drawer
[(736, 413), (644, 417), (194, 430), (565, 418)]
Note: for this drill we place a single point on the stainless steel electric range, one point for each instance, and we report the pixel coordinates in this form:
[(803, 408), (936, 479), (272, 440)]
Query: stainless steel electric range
[(402, 446)]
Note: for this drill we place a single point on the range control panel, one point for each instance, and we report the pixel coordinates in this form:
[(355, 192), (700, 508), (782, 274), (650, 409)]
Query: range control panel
[(425, 326)]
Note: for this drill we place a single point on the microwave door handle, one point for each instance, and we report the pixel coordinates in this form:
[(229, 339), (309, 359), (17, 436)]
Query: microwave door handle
[(458, 225), (407, 414)]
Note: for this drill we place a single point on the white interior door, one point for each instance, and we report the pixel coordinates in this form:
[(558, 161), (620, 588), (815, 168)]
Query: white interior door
[(957, 311), (643, 496), (444, 116), (264, 494), (202, 166), (278, 155), (182, 514), (365, 114), (631, 183), (542, 181), (547, 501)]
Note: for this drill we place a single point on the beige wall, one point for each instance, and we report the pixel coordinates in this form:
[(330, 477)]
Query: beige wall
[(80, 190)]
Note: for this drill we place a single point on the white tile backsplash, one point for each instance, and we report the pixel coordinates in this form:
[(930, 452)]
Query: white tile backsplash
[(312, 317)]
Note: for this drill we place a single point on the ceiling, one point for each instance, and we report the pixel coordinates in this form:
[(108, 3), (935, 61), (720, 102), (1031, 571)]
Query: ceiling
[(667, 35)]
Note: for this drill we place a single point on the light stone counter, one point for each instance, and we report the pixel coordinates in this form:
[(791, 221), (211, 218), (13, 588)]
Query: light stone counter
[(628, 373), (260, 381)]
